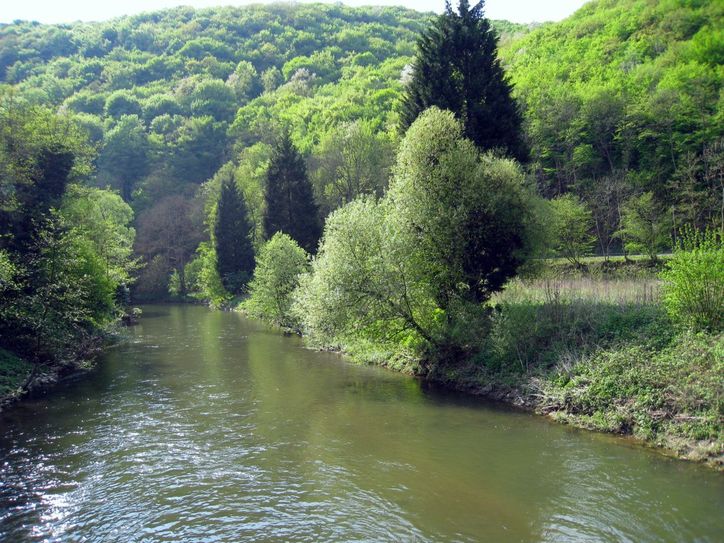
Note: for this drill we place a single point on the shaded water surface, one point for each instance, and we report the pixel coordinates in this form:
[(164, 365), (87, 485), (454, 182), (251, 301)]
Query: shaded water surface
[(206, 427)]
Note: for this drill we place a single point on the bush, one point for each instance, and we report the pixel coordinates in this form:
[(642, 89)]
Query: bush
[(645, 227), (694, 280), (409, 274), (278, 266), (571, 223)]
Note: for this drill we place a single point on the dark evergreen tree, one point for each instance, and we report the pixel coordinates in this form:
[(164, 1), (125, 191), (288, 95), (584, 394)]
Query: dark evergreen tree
[(232, 238), (457, 68), (290, 206)]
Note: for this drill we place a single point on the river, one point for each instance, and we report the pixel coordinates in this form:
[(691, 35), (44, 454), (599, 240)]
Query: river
[(208, 427)]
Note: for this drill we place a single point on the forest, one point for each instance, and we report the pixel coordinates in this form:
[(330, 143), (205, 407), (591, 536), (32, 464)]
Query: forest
[(529, 220)]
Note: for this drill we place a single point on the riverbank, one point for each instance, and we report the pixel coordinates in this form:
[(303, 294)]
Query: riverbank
[(601, 354), (19, 377), (668, 399)]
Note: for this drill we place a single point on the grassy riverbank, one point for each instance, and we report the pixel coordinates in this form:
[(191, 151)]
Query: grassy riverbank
[(14, 372), (602, 354), (19, 376)]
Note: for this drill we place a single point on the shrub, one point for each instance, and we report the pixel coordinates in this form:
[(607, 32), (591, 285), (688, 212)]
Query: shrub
[(694, 280), (645, 228), (409, 273), (571, 225), (278, 266)]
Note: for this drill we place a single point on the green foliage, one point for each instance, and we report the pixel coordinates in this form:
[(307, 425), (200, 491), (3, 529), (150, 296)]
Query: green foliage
[(13, 371), (356, 289), (407, 275), (644, 226), (351, 160), (206, 283), (214, 98), (104, 219), (627, 90), (64, 250), (456, 68), (536, 328), (232, 239), (570, 226), (168, 236), (657, 395), (122, 103), (289, 201), (158, 105), (279, 265), (469, 218), (694, 280), (7, 271), (123, 158)]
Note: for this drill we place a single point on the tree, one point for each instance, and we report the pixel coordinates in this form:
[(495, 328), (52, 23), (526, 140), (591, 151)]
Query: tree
[(605, 196), (212, 97), (467, 215), (411, 271), (123, 159), (122, 103), (168, 235), (280, 263), (290, 206), (55, 290), (104, 220), (244, 81), (645, 227), (351, 160), (571, 223), (456, 68), (232, 238)]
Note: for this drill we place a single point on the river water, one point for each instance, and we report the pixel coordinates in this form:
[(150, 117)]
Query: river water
[(207, 427)]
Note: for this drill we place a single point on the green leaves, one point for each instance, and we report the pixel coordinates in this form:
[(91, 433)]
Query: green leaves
[(694, 280), (570, 228), (456, 68), (290, 206), (408, 274), (645, 227), (279, 265), (104, 219), (232, 238)]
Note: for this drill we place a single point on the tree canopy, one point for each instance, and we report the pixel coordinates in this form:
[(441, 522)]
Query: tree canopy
[(288, 196), (232, 239), (457, 68)]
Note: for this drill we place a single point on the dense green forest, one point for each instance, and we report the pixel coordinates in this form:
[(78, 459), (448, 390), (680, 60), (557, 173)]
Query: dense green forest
[(376, 179), (622, 99), (174, 99)]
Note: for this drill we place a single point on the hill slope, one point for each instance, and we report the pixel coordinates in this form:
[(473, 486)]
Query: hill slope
[(622, 97), (627, 89)]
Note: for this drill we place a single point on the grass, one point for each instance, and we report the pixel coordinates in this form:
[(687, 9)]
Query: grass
[(615, 291), (671, 397), (601, 352), (13, 372)]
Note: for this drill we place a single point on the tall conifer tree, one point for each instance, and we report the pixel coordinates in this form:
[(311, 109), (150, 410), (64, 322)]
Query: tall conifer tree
[(457, 68), (232, 238), (290, 206)]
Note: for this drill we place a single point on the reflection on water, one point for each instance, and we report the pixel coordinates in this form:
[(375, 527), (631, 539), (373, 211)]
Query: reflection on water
[(209, 427)]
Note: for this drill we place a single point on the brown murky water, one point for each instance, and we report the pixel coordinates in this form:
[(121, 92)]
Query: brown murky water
[(207, 427)]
